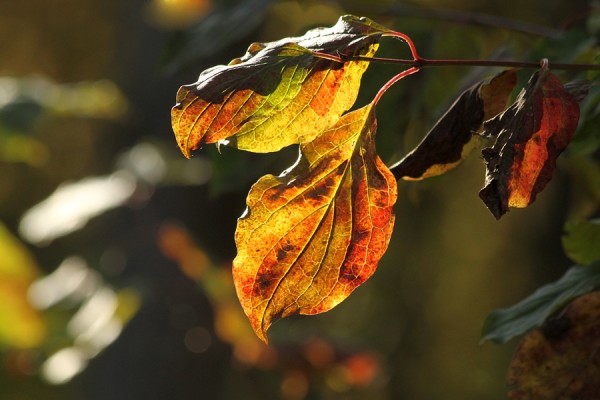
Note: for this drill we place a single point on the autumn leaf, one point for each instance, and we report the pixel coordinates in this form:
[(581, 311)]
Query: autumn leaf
[(278, 93), (561, 360), (530, 135), (21, 325), (454, 136), (312, 235)]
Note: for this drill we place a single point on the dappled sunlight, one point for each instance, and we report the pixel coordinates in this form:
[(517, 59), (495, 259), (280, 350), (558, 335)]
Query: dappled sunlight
[(97, 322), (102, 98), (72, 205), (71, 281), (177, 14), (63, 365)]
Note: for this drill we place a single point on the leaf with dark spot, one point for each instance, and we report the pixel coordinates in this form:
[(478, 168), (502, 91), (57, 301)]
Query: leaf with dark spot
[(306, 249), (278, 93), (454, 136), (530, 135), (562, 360)]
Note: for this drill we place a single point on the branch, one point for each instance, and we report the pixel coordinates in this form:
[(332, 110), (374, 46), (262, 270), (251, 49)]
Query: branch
[(423, 62), (459, 17)]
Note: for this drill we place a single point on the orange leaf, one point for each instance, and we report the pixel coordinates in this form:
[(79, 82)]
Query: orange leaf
[(561, 360), (531, 134), (278, 93), (313, 234)]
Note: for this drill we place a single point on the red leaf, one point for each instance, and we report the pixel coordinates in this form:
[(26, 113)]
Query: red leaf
[(531, 134)]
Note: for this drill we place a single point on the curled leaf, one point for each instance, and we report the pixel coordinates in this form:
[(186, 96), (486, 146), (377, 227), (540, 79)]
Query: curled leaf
[(454, 136), (313, 234), (530, 134), (561, 360), (278, 93)]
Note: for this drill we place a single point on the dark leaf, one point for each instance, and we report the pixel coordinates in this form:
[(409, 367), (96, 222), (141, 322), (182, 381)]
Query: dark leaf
[(455, 134)]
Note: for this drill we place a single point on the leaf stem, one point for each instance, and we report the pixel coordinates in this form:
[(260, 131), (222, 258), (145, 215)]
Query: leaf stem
[(409, 42), (394, 79), (423, 62)]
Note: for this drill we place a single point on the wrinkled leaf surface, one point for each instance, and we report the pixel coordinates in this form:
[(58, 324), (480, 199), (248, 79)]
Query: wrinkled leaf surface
[(562, 359), (278, 93), (313, 234), (530, 134)]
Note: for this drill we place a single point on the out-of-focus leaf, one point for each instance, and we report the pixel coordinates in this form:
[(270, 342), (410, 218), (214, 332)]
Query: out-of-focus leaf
[(19, 115), (587, 138), (582, 241), (454, 136), (560, 360), (315, 233), (21, 326), (586, 173), (278, 93), (16, 148), (531, 134), (214, 33), (504, 324)]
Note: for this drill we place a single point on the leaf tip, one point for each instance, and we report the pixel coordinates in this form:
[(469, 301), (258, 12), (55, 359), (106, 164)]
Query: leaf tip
[(178, 122)]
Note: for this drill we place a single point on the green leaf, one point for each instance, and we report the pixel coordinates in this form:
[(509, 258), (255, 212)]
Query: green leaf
[(582, 241), (503, 324), (278, 93)]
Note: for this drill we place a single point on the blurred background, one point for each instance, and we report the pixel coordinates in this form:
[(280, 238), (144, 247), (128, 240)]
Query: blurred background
[(115, 251)]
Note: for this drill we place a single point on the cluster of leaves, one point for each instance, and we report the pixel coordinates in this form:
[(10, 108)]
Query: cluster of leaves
[(313, 234)]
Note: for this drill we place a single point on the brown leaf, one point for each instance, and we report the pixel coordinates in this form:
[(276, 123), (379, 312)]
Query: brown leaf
[(278, 93), (531, 134), (561, 360), (454, 136), (313, 234)]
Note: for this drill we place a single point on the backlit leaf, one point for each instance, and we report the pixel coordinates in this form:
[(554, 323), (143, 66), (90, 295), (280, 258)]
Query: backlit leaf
[(562, 359), (502, 325), (531, 134), (278, 93), (315, 233), (582, 241), (454, 136)]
